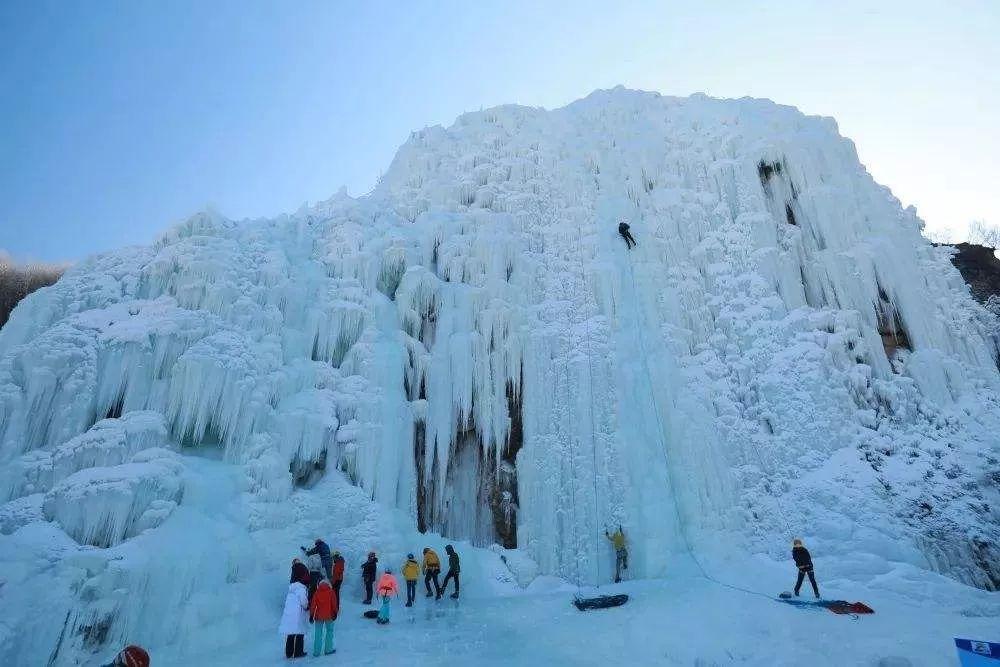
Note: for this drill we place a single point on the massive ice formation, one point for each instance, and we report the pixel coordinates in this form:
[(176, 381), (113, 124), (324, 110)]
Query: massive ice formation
[(783, 353)]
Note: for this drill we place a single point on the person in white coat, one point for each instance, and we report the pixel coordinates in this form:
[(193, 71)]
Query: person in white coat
[(295, 620)]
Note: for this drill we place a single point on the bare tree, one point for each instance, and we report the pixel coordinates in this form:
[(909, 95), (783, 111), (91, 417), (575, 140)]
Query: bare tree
[(939, 235), (17, 282), (983, 234)]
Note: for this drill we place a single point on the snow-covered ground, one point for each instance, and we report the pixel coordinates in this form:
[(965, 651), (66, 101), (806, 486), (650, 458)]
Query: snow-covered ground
[(469, 354), (228, 616), (681, 619)]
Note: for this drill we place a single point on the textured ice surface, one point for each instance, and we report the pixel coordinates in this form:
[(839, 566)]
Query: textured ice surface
[(471, 351), (101, 506)]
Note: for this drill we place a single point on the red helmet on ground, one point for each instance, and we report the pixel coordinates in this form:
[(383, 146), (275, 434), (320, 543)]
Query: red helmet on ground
[(132, 656)]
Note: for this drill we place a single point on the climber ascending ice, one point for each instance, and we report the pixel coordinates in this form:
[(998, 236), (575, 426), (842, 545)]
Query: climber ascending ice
[(626, 234), (621, 553)]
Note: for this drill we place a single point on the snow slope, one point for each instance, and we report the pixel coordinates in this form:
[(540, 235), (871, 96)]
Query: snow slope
[(470, 352)]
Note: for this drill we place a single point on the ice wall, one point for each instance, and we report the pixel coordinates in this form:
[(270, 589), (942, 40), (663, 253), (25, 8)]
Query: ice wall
[(780, 307), (782, 355)]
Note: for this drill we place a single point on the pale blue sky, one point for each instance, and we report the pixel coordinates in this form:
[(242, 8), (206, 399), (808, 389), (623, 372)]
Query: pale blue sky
[(119, 119)]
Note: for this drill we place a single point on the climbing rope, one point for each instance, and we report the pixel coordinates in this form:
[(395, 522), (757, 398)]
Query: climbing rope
[(770, 475), (663, 450), (590, 408)]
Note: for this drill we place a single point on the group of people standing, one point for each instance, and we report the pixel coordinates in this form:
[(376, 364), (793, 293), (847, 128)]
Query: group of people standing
[(313, 597), (314, 592)]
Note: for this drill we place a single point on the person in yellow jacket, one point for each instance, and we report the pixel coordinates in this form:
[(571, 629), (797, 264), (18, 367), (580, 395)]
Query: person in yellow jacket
[(617, 539), (411, 570), (432, 568)]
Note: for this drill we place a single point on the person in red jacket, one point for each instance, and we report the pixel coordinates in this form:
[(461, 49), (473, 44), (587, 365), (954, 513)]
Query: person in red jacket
[(131, 656), (324, 608), (338, 573)]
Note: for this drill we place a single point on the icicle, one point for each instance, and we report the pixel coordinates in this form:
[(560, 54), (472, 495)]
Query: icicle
[(101, 506), (477, 311)]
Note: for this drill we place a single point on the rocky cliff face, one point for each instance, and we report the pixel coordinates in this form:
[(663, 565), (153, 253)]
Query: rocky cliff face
[(979, 267)]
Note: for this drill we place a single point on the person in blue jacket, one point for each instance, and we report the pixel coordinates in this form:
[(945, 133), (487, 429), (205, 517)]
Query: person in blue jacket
[(321, 549)]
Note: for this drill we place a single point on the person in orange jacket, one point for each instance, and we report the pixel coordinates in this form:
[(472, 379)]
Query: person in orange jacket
[(324, 608), (387, 588)]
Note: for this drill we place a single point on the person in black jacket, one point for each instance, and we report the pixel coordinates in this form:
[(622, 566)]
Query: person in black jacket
[(300, 572), (626, 234), (368, 570), (453, 571), (804, 562)]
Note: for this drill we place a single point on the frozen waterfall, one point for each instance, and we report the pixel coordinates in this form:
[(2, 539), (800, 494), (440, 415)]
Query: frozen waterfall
[(472, 349)]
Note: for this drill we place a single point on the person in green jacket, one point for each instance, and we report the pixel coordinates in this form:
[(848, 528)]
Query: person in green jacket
[(617, 539), (453, 570)]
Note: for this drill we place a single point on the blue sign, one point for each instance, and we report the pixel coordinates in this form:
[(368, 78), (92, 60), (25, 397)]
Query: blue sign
[(972, 653)]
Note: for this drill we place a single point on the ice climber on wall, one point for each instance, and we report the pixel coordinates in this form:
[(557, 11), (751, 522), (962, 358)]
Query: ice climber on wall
[(621, 552), (623, 229)]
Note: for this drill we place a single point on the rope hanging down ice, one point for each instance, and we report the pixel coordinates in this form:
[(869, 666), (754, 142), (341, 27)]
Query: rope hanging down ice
[(590, 410), (663, 449)]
